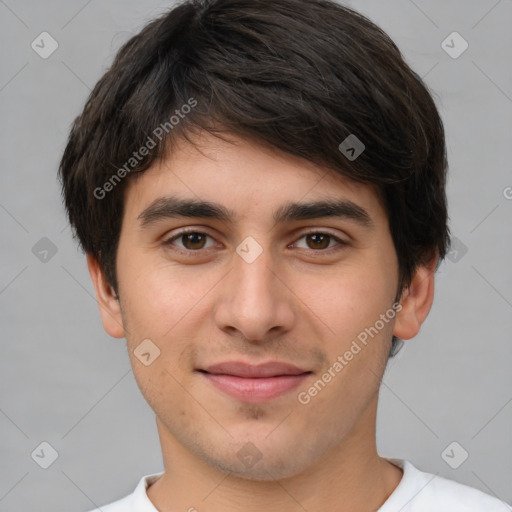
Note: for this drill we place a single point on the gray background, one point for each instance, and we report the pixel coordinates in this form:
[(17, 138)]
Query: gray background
[(63, 380)]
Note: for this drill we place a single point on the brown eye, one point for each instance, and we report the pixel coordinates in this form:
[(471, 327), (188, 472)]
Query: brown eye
[(319, 241), (190, 240), (193, 241)]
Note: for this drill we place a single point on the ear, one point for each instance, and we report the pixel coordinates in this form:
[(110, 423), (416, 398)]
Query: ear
[(110, 308), (416, 301)]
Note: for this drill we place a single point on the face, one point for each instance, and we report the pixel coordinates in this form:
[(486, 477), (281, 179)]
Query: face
[(242, 333)]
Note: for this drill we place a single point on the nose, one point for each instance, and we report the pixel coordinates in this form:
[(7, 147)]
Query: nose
[(254, 299)]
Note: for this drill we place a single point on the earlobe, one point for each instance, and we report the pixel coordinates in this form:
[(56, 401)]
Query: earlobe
[(416, 302), (110, 309)]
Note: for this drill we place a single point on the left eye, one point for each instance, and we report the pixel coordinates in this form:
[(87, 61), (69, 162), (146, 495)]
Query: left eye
[(193, 241), (318, 240)]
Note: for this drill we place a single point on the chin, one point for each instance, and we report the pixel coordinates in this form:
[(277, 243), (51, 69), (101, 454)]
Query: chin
[(264, 470), (259, 458)]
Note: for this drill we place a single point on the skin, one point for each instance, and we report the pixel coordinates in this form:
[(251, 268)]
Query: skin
[(293, 303)]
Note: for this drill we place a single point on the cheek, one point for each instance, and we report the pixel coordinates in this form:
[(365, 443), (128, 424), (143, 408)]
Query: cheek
[(160, 305), (349, 299), (157, 293), (163, 389)]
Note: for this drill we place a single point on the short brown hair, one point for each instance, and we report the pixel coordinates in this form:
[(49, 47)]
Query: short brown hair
[(299, 75)]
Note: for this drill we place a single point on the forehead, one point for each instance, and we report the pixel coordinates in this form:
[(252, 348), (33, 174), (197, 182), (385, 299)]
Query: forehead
[(247, 178)]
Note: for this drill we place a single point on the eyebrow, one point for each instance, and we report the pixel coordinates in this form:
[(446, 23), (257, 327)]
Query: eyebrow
[(175, 207)]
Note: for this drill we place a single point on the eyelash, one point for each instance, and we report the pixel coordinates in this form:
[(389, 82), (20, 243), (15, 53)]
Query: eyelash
[(190, 252)]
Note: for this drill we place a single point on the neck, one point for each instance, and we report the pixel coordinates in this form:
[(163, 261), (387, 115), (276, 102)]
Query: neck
[(349, 477)]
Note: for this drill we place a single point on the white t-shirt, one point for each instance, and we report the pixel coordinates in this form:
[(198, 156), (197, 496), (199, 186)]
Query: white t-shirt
[(417, 492)]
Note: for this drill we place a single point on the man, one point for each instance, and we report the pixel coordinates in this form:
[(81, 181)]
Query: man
[(259, 187)]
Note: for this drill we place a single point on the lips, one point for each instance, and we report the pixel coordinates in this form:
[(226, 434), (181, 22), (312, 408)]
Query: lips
[(254, 383), (239, 369)]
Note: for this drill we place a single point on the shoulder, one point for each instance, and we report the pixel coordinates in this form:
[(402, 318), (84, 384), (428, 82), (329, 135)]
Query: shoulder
[(123, 505), (448, 494), (137, 501), (420, 491)]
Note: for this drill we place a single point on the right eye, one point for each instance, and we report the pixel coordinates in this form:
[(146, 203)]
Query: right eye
[(192, 238)]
